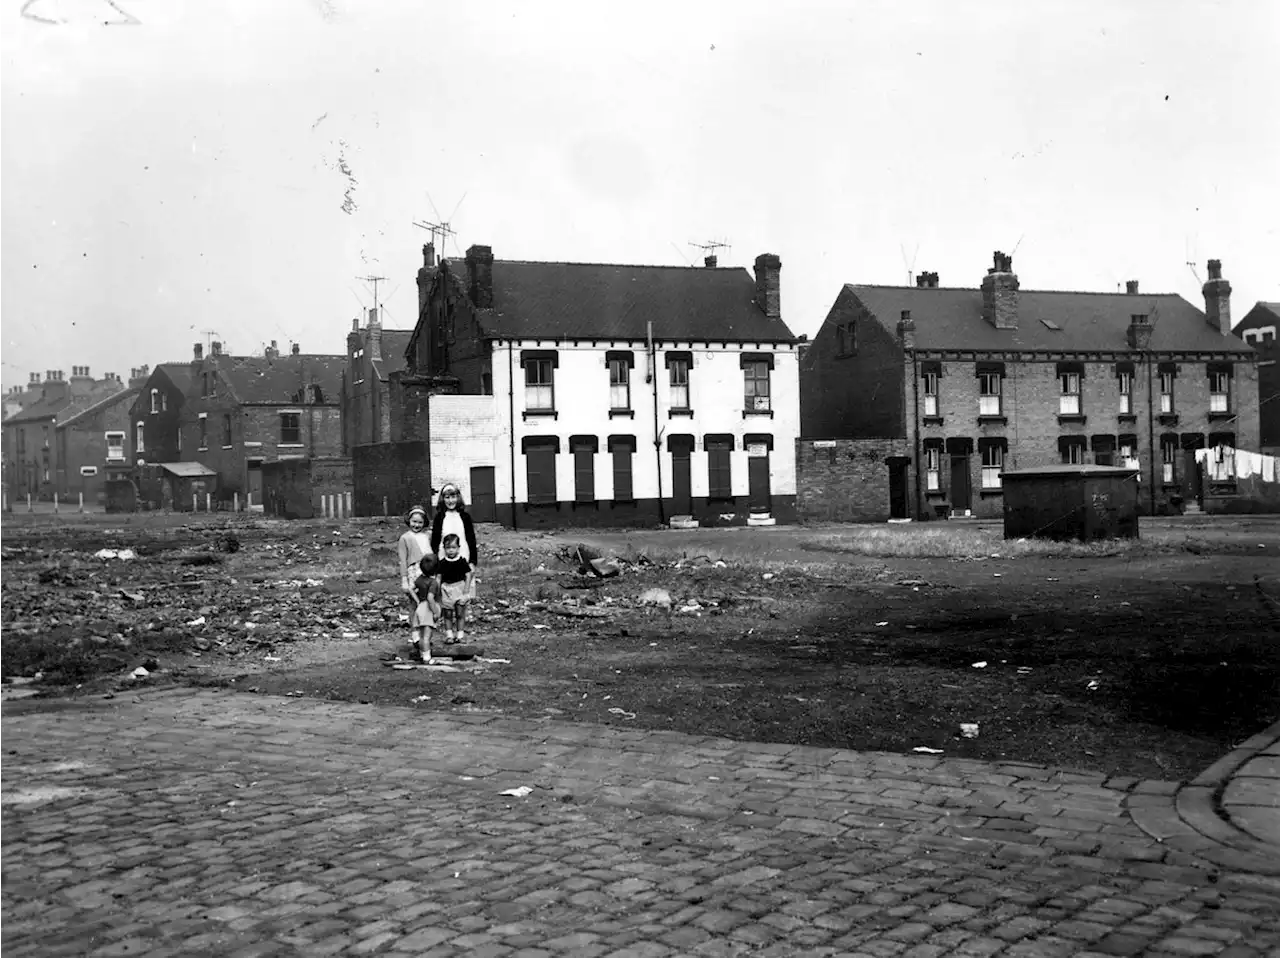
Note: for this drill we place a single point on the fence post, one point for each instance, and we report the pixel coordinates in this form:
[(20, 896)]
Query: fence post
[(55, 503), (195, 502), (81, 502), (384, 507), (208, 502), (29, 509), (235, 497), (350, 505)]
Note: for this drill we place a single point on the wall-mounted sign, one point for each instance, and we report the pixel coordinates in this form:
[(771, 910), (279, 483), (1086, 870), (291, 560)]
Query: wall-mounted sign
[(824, 444), (88, 470), (757, 449)]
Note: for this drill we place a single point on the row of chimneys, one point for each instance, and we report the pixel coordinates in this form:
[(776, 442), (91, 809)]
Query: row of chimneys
[(271, 352), (479, 263), (1000, 300), (58, 376)]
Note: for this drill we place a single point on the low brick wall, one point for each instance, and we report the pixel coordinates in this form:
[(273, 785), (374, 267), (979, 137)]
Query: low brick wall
[(846, 480), (395, 473)]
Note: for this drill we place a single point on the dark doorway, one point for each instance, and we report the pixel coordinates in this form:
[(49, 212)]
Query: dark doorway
[(759, 500), (484, 504), (960, 501), (1192, 480), (681, 475), (897, 488), (253, 484)]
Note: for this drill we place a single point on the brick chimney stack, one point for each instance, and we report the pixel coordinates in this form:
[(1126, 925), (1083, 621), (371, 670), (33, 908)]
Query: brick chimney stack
[(426, 273), (480, 276), (1217, 299), (907, 330), (215, 349), (272, 351), (711, 261), (1000, 293), (1131, 287), (197, 353), (375, 335), (1140, 330), (295, 349), (768, 284), (927, 281)]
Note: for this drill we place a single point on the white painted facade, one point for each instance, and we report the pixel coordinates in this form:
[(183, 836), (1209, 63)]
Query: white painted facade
[(465, 432), (581, 389)]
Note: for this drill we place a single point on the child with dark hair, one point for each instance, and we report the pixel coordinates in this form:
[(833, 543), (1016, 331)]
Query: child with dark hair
[(455, 574), (426, 591), (452, 518)]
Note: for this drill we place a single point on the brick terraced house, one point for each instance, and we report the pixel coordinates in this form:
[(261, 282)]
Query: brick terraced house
[(243, 413), (1260, 328), (914, 399), (597, 394)]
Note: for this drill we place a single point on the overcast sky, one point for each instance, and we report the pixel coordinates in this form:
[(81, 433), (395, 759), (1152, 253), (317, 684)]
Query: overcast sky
[(185, 174)]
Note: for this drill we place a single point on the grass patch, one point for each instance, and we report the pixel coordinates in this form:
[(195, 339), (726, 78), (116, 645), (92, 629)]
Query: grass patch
[(66, 657), (953, 541)]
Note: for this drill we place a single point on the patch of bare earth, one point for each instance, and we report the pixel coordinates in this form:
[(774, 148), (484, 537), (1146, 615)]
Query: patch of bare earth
[(1148, 660)]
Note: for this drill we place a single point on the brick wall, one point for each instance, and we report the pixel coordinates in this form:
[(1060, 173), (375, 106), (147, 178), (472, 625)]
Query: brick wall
[(160, 429), (398, 473), (83, 442), (858, 395), (848, 480)]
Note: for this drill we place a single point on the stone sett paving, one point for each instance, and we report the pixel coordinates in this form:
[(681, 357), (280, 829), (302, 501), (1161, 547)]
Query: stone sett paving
[(215, 823)]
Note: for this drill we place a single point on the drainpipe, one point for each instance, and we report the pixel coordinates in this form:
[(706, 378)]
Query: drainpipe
[(511, 415), (1151, 432), (915, 452), (657, 439)]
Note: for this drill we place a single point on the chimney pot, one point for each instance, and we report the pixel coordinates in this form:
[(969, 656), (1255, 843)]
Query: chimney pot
[(215, 348), (429, 255), (711, 261), (296, 349), (768, 284), (1215, 269), (197, 351), (1131, 287)]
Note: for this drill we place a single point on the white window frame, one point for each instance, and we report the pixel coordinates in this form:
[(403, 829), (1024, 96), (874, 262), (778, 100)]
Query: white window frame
[(991, 470), (1125, 386), (139, 444), (297, 414), (155, 401), (114, 434), (753, 400), (1166, 392), (539, 395), (989, 391), (1168, 456), (678, 378), (930, 393), (619, 385), (1219, 392), (933, 469), (1069, 400)]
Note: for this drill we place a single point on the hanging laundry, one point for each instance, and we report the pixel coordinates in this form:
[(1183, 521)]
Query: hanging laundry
[(1268, 468)]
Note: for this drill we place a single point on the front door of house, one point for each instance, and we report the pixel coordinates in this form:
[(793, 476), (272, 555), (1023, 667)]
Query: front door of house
[(484, 506), (897, 489), (759, 501), (253, 484), (1192, 480), (960, 484), (681, 480)]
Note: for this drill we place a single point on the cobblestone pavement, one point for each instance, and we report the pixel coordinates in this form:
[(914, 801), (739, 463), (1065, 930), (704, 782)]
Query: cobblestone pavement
[(215, 823)]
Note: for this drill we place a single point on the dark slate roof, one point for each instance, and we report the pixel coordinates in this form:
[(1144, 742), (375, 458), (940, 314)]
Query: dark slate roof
[(257, 380), (87, 404), (42, 408), (948, 318), (1250, 319), (179, 374), (394, 344), (603, 301)]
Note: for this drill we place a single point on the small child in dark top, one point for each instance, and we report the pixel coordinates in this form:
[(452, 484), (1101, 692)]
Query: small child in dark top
[(426, 614), (455, 574)]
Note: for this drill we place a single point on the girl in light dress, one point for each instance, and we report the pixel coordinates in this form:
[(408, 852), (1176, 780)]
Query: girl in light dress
[(452, 518), (412, 547)]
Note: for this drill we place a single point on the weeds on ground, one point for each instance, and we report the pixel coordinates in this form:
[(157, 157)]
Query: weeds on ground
[(65, 658), (961, 542)]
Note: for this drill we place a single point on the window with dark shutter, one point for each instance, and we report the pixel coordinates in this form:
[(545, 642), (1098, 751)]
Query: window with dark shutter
[(584, 467), (540, 464), (622, 448), (719, 479)]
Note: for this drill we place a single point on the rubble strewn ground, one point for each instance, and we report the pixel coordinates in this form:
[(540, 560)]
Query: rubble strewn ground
[(1148, 659)]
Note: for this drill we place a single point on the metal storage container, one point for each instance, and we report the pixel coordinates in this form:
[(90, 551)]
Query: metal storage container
[(1082, 502)]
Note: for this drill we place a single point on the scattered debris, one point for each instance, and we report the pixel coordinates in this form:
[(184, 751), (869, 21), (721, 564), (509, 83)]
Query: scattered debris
[(969, 729), (115, 554), (979, 665), (623, 712), (139, 673), (926, 749), (518, 792), (659, 597)]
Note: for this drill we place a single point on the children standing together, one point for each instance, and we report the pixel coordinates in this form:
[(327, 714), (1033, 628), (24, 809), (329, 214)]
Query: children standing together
[(446, 562)]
